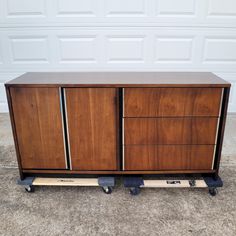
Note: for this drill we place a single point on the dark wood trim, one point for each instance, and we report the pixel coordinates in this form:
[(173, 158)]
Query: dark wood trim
[(120, 79), (120, 172), (121, 85), (221, 129), (14, 132)]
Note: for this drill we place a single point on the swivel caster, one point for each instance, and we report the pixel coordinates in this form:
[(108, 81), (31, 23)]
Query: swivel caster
[(135, 191), (213, 191), (107, 190), (29, 189)]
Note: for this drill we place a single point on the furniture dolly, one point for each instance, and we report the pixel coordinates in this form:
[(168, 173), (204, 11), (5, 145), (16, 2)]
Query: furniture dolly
[(106, 183), (136, 183), (75, 125)]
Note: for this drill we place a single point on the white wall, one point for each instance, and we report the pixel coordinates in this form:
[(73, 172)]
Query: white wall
[(95, 35)]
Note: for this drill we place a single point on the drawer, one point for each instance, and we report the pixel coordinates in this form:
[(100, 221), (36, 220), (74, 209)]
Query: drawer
[(169, 157), (182, 130), (160, 102)]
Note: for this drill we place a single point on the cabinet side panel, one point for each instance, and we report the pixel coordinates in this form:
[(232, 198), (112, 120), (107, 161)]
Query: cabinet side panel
[(221, 129), (9, 101)]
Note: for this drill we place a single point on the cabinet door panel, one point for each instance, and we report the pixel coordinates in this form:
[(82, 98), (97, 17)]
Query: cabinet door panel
[(169, 157), (92, 126), (39, 129), (172, 102)]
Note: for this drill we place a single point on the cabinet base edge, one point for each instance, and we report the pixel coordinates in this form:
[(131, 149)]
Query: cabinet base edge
[(118, 172)]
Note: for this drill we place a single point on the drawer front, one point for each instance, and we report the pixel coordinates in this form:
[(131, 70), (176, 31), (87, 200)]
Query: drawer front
[(194, 130), (160, 102), (169, 157)]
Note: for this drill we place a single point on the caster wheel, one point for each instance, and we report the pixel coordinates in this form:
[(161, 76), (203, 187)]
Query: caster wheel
[(29, 189), (135, 191), (213, 191), (107, 190)]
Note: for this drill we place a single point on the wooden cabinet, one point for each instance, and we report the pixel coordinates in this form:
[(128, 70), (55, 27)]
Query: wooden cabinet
[(118, 123)]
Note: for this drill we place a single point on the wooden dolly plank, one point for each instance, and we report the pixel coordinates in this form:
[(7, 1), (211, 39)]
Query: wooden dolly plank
[(65, 182), (136, 183), (173, 184)]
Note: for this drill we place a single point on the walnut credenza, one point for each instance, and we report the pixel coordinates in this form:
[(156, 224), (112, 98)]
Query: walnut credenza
[(109, 123)]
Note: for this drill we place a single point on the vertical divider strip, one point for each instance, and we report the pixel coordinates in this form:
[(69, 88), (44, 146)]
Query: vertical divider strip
[(120, 129), (65, 128)]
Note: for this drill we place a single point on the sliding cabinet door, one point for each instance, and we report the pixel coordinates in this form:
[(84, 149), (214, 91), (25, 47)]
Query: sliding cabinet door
[(92, 128), (39, 130)]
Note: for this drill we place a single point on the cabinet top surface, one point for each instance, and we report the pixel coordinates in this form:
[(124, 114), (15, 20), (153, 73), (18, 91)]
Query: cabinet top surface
[(119, 79)]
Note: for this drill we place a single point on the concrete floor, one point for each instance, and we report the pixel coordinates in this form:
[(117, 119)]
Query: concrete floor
[(88, 211)]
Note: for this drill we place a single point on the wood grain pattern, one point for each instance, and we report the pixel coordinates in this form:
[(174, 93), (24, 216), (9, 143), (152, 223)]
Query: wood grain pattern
[(92, 128), (119, 79), (195, 130), (168, 157), (172, 102), (38, 127)]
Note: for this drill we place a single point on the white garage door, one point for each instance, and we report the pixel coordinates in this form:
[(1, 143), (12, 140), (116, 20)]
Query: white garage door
[(118, 35)]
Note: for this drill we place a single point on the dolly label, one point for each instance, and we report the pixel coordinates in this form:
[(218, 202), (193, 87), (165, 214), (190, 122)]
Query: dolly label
[(173, 182), (65, 180)]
